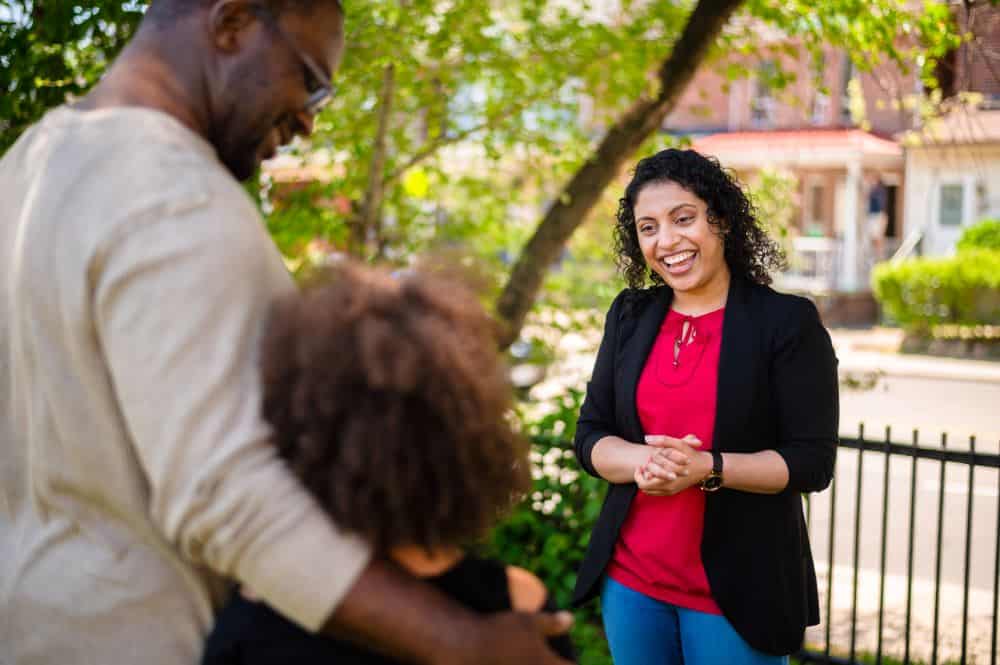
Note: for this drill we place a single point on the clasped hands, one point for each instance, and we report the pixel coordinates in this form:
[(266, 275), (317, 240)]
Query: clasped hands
[(674, 465)]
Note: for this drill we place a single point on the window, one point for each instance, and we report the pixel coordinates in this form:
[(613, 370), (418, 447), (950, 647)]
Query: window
[(820, 112), (816, 202), (982, 201), (950, 205), (820, 109), (946, 74), (847, 73), (762, 104)]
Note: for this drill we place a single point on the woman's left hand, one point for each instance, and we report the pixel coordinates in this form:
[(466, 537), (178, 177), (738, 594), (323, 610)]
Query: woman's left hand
[(676, 465)]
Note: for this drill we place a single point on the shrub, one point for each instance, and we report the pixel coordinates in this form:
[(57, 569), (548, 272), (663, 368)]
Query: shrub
[(981, 235), (920, 293)]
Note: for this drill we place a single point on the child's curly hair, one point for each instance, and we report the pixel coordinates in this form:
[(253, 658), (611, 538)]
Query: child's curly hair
[(389, 399)]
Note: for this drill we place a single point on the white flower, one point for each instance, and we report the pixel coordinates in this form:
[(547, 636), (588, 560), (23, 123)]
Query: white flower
[(568, 476)]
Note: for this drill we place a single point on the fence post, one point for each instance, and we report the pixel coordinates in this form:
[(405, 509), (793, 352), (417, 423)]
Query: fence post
[(857, 543), (909, 550), (885, 522), (937, 564)]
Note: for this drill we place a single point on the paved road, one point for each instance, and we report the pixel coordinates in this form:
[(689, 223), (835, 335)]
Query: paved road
[(939, 404)]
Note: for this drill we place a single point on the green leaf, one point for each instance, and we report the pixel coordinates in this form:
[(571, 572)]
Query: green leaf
[(416, 183)]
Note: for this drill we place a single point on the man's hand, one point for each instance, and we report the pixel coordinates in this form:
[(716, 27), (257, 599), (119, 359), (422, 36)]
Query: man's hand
[(675, 465), (513, 638)]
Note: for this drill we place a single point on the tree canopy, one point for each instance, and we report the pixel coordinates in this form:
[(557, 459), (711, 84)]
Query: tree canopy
[(51, 49), (492, 127)]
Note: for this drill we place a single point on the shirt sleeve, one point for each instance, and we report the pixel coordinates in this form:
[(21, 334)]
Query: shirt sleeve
[(180, 298), (597, 413), (805, 381)]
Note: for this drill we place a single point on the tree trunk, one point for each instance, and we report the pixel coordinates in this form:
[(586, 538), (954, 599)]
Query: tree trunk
[(621, 141), (368, 224)]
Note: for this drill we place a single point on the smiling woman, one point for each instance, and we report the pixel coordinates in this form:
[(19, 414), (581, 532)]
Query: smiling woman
[(748, 249), (680, 246), (712, 407)]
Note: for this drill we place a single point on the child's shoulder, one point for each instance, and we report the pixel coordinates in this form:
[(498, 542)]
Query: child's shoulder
[(527, 592)]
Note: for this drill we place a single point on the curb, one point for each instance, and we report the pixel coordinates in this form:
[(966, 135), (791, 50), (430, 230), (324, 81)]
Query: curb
[(923, 367)]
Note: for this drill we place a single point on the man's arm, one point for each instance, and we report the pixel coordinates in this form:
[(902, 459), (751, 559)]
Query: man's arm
[(179, 304), (180, 297)]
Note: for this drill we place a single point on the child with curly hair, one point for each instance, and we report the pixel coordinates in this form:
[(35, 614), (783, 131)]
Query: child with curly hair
[(388, 398)]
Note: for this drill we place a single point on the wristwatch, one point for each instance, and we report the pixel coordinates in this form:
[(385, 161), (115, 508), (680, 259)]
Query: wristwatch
[(713, 481)]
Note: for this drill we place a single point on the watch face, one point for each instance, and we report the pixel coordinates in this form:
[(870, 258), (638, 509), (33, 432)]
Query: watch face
[(713, 482)]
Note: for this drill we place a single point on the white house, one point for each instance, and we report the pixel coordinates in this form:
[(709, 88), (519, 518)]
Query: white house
[(952, 179)]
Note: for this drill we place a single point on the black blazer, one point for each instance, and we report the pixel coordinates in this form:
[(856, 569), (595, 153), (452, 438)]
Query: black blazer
[(777, 389)]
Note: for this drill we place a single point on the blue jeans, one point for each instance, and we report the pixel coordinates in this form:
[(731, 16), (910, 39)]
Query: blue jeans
[(644, 631)]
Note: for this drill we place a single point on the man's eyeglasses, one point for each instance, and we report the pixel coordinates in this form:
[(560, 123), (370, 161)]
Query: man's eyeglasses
[(320, 91), (317, 84)]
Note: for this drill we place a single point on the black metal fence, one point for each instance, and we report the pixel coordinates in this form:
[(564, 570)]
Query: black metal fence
[(844, 647)]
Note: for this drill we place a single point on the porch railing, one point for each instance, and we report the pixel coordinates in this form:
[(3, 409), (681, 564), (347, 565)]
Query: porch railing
[(813, 265)]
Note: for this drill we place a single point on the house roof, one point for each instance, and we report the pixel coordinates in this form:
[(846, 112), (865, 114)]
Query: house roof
[(962, 126), (816, 148)]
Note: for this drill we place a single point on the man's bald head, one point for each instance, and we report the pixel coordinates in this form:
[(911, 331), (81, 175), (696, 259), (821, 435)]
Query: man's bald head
[(252, 68)]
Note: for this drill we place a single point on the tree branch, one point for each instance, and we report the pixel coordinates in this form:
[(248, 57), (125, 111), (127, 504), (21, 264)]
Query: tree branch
[(620, 142), (371, 207), (433, 146)]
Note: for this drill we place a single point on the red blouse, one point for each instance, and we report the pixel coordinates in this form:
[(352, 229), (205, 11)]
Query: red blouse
[(658, 552)]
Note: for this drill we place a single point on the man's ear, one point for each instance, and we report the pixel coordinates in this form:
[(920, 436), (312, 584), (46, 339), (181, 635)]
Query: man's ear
[(230, 22)]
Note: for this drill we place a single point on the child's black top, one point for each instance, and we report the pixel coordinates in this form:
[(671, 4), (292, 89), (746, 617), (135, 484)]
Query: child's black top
[(251, 633)]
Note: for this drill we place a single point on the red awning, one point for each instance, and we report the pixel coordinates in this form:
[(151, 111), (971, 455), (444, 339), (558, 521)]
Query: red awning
[(801, 148)]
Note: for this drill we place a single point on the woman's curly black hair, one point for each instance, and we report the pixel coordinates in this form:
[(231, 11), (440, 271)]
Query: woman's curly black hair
[(749, 251), (390, 401)]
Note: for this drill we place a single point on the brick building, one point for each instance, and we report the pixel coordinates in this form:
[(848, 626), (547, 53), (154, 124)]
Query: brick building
[(873, 178), (837, 144)]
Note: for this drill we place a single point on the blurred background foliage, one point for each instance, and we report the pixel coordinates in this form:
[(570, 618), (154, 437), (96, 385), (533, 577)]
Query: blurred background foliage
[(458, 122)]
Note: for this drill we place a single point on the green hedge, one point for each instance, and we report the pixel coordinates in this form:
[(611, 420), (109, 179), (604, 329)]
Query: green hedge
[(920, 293), (981, 235)]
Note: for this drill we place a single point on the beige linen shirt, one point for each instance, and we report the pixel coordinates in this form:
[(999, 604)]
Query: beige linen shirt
[(135, 471)]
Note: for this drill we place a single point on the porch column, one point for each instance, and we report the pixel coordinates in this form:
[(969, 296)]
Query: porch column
[(849, 242)]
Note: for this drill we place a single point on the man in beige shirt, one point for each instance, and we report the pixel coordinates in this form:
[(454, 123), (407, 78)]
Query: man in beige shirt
[(135, 472)]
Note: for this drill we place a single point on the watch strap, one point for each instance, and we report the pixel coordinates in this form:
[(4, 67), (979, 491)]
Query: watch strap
[(713, 481)]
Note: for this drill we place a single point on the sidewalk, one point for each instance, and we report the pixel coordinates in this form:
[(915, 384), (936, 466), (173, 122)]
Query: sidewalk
[(877, 350)]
